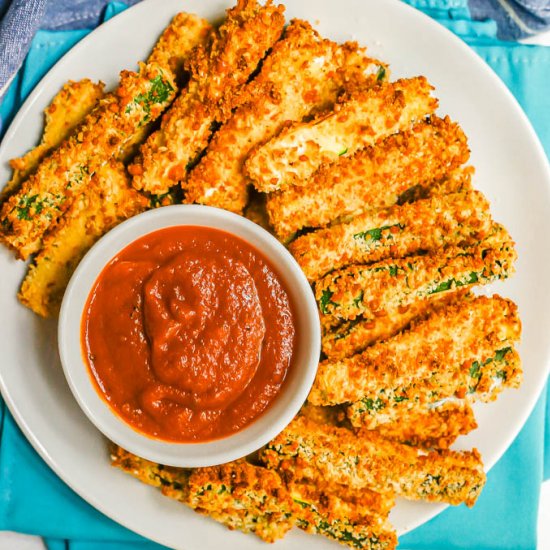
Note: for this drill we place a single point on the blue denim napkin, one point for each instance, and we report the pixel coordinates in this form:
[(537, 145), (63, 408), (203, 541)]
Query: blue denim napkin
[(20, 19), (515, 18), (33, 500)]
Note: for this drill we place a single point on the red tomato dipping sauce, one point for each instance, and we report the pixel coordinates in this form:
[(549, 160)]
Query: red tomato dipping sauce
[(188, 333)]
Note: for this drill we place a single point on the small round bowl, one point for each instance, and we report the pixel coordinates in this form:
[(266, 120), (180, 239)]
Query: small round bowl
[(264, 428)]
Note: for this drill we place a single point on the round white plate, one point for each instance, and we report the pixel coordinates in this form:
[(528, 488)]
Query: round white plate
[(512, 171)]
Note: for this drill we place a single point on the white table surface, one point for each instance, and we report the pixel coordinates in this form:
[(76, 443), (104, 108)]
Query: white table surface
[(15, 541)]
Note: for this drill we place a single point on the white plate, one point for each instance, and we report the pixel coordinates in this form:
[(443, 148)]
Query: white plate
[(512, 171)]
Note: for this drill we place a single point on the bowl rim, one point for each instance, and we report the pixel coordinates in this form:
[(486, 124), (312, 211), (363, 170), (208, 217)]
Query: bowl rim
[(260, 431)]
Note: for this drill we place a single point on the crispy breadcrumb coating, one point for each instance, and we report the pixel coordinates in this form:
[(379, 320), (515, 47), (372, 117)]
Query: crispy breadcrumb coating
[(167, 478), (430, 361), (139, 99), (373, 178), (108, 200), (480, 380), (352, 337), (244, 497), (336, 457), (67, 109), (172, 49), (219, 71), (319, 69), (424, 225), (382, 288), (358, 121), (237, 494), (429, 427), (358, 519)]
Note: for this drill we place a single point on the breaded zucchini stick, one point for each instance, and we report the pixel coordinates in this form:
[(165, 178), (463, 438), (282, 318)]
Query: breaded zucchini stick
[(177, 41), (488, 377), (371, 179), (432, 359), (429, 427), (166, 478), (358, 121), (107, 201), (352, 337), (358, 519), (383, 288), (458, 180), (424, 225), (138, 100), (319, 68), (218, 73), (67, 109), (237, 494), (337, 457), (244, 497), (483, 380)]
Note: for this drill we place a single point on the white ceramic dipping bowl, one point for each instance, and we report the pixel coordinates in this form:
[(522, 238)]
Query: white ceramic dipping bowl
[(300, 375)]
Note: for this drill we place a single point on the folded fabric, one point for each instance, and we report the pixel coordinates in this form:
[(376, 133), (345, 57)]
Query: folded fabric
[(22, 18), (515, 18), (32, 498)]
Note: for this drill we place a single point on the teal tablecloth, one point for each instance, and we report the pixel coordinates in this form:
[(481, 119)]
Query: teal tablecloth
[(33, 500)]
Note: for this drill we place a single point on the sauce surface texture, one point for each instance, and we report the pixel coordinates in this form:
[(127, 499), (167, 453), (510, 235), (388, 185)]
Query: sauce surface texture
[(188, 333)]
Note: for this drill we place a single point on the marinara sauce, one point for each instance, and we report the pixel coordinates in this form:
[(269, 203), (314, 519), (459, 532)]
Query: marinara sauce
[(189, 334)]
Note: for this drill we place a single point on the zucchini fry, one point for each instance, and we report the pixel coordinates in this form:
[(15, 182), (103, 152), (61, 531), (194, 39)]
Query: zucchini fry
[(488, 377), (237, 494), (352, 337), (177, 41), (358, 121), (430, 361), (41, 200), (383, 288), (76, 99), (138, 100), (166, 478), (424, 225), (107, 201), (218, 73), (356, 519), (244, 497), (373, 178), (319, 68), (336, 457), (66, 111), (483, 380), (429, 427)]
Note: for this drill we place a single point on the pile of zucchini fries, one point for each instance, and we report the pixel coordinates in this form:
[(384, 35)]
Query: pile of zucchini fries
[(369, 189)]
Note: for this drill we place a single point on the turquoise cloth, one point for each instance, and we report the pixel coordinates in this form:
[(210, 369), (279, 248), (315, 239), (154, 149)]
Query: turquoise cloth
[(33, 500)]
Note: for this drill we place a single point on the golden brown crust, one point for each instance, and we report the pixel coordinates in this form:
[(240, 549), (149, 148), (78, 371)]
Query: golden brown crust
[(139, 98), (382, 288), (319, 68), (219, 71), (66, 111), (373, 178), (429, 427), (245, 497), (108, 200), (358, 519), (336, 457), (176, 42), (430, 361), (351, 337), (402, 230), (358, 121)]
